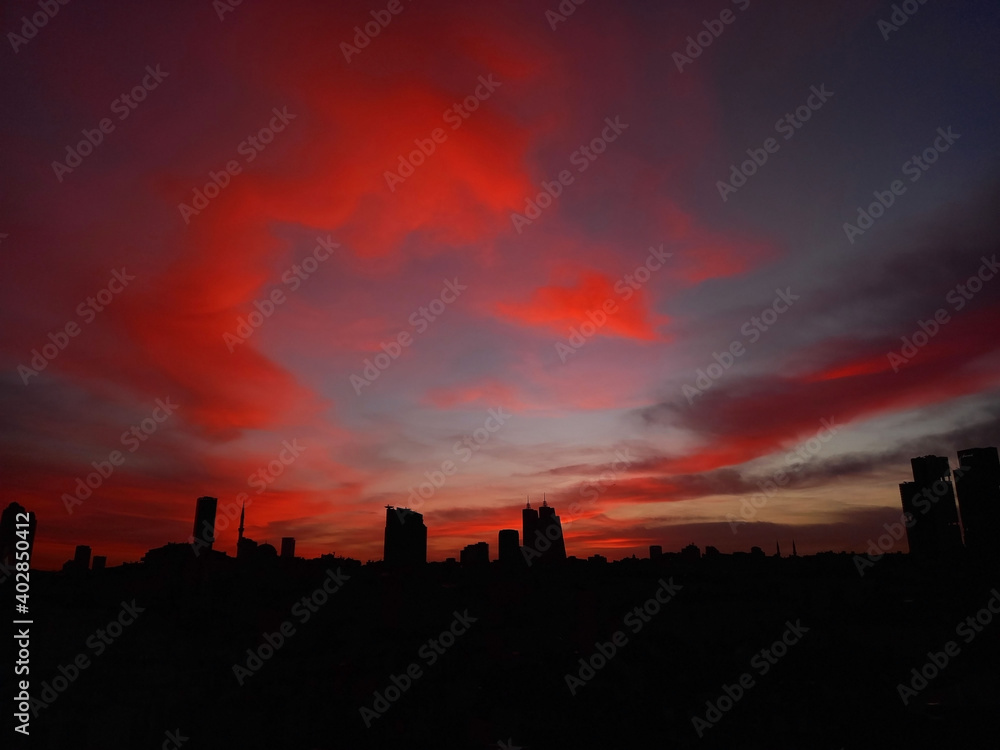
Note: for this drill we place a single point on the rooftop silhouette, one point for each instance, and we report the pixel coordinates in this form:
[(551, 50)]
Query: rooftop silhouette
[(268, 622)]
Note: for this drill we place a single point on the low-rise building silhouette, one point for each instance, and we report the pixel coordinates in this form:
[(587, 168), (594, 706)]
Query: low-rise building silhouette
[(691, 552)]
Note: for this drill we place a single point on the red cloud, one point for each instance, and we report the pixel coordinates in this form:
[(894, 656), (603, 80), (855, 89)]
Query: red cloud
[(485, 393), (559, 307), (748, 420)]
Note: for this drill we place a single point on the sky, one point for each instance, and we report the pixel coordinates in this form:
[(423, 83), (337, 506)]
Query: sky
[(694, 272)]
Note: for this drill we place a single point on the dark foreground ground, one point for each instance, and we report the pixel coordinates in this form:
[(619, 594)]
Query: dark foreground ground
[(166, 677)]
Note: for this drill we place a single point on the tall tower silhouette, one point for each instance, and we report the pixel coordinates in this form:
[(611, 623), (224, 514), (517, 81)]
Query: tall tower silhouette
[(529, 524), (550, 528), (245, 548), (405, 538), (509, 547), (930, 500), (978, 483), (204, 521)]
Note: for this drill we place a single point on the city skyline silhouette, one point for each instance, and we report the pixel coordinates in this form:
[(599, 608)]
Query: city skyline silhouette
[(432, 374), (938, 507)]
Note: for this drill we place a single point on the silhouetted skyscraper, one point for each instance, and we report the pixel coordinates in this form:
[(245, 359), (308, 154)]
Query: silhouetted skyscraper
[(204, 522), (545, 543), (655, 551), (287, 547), (977, 481), (930, 500), (100, 562), (476, 555), (529, 523), (405, 537), (82, 557), (509, 546)]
